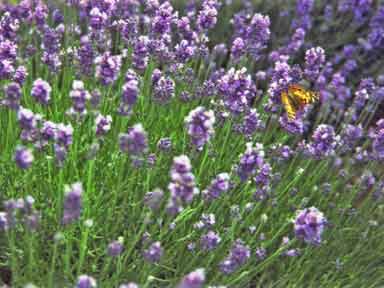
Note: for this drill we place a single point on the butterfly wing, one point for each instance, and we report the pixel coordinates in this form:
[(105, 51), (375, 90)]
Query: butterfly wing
[(296, 98), (302, 95), (288, 105)]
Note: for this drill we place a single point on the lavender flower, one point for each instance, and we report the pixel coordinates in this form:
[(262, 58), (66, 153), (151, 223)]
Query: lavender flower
[(182, 186), (102, 124), (97, 18), (164, 144), (135, 142), (238, 48), (251, 123), (261, 253), (153, 253), (115, 248), (314, 60), (218, 186), (140, 53), (108, 68), (13, 94), (251, 160), (199, 123), (237, 257), (23, 157), (164, 90), (64, 134), (72, 203), (85, 55), (195, 279), (377, 136), (207, 17), (309, 225), (324, 142), (161, 23), (209, 241), (4, 225), (85, 281), (79, 97), (41, 91), (20, 75), (237, 90), (130, 92)]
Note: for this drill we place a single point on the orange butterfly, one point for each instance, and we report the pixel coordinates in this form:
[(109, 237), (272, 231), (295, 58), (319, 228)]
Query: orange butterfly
[(296, 98)]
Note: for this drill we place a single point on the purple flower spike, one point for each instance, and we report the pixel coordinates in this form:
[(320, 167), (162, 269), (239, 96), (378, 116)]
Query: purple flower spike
[(72, 203), (309, 225), (195, 279), (108, 68), (85, 281), (209, 241), (41, 91), (218, 186), (154, 252), (237, 257), (199, 123), (103, 124), (182, 187), (23, 157), (251, 160), (314, 61), (135, 142), (115, 248)]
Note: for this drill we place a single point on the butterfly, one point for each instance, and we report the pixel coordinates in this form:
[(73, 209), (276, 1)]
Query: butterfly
[(295, 98)]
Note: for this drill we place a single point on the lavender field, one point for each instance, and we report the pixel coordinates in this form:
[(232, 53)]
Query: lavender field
[(191, 143)]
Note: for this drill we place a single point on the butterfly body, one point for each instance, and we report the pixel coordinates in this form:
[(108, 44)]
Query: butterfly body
[(295, 98)]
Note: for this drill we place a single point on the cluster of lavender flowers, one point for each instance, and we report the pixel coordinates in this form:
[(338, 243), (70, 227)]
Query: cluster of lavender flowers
[(182, 186), (19, 211)]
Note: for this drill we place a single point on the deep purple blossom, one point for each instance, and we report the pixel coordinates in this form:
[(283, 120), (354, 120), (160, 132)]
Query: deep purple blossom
[(20, 75), (207, 17), (154, 252), (13, 95), (238, 48), (72, 203), (209, 241), (85, 281), (237, 90), (164, 144), (41, 91), (182, 186), (237, 257), (324, 141), (64, 134), (115, 248), (219, 185), (135, 142), (108, 68), (102, 124), (23, 157), (199, 123), (250, 161), (195, 279), (163, 19), (79, 96), (309, 225), (164, 90), (314, 61), (377, 136), (85, 55)]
